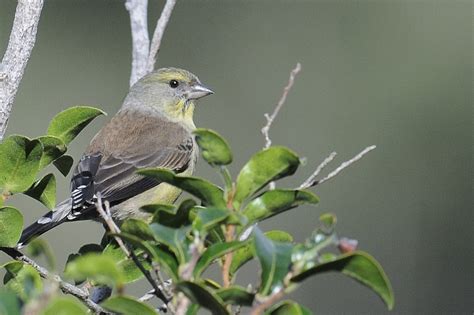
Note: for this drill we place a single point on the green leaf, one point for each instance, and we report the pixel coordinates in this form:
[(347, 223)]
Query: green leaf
[(11, 225), (176, 217), (64, 306), (127, 306), (137, 228), (207, 218), (53, 148), (244, 254), (214, 252), (288, 308), (275, 260), (166, 260), (236, 295), (20, 160), (329, 220), (127, 267), (100, 268), (69, 123), (174, 239), (9, 303), (22, 279), (39, 246), (265, 166), (209, 193), (275, 201), (214, 149), (44, 191), (359, 266), (201, 295), (64, 164)]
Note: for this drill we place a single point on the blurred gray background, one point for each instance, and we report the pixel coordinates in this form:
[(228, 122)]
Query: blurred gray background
[(397, 74)]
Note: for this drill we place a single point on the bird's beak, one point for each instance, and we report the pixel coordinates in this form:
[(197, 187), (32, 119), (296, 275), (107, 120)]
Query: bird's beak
[(197, 91)]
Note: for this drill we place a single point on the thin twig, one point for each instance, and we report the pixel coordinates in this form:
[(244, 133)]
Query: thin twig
[(281, 102), (66, 287), (113, 228), (311, 179), (138, 11), (158, 34), (345, 165), (21, 43), (186, 274)]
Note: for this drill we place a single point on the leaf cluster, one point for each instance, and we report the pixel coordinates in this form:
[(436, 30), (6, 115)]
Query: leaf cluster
[(217, 225)]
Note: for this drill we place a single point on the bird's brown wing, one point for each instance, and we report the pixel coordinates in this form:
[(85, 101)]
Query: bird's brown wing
[(131, 140)]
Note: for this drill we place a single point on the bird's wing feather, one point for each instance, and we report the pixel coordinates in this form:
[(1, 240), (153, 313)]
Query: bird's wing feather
[(131, 140)]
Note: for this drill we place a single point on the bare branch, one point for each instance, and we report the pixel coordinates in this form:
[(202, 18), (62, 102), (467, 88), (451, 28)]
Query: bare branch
[(312, 179), (186, 274), (272, 299), (21, 43), (138, 10), (346, 164), (281, 102), (66, 287), (158, 34)]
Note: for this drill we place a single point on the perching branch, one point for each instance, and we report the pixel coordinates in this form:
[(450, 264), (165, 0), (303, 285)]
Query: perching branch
[(158, 34), (281, 102), (66, 287), (138, 10), (21, 43), (114, 229), (311, 181)]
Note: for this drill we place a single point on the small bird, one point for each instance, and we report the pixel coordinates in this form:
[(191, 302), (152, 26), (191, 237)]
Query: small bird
[(153, 128)]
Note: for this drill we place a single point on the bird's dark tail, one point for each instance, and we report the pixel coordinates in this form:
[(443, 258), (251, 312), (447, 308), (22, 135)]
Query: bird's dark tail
[(46, 223)]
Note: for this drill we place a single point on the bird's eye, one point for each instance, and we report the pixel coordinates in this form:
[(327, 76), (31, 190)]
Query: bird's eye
[(174, 84)]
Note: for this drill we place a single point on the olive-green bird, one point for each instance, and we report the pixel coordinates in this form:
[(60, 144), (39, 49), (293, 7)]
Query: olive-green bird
[(153, 128)]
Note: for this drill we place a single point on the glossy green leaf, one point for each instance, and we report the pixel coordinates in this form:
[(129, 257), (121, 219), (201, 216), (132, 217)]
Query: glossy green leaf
[(44, 191), (166, 259), (9, 303), (65, 306), (64, 164), (53, 148), (39, 246), (138, 228), (214, 252), (22, 279), (288, 308), (100, 268), (174, 239), (201, 295), (214, 149), (207, 218), (275, 261), (127, 267), (236, 295), (178, 218), (209, 193), (69, 123), (244, 254), (265, 166), (11, 225), (20, 160), (159, 207), (127, 305), (275, 201), (359, 266)]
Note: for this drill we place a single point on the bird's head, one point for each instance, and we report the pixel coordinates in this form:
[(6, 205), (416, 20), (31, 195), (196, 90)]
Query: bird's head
[(171, 91)]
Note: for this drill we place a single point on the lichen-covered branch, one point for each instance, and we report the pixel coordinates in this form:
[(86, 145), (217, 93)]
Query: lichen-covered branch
[(66, 287), (138, 10), (21, 43), (158, 33)]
